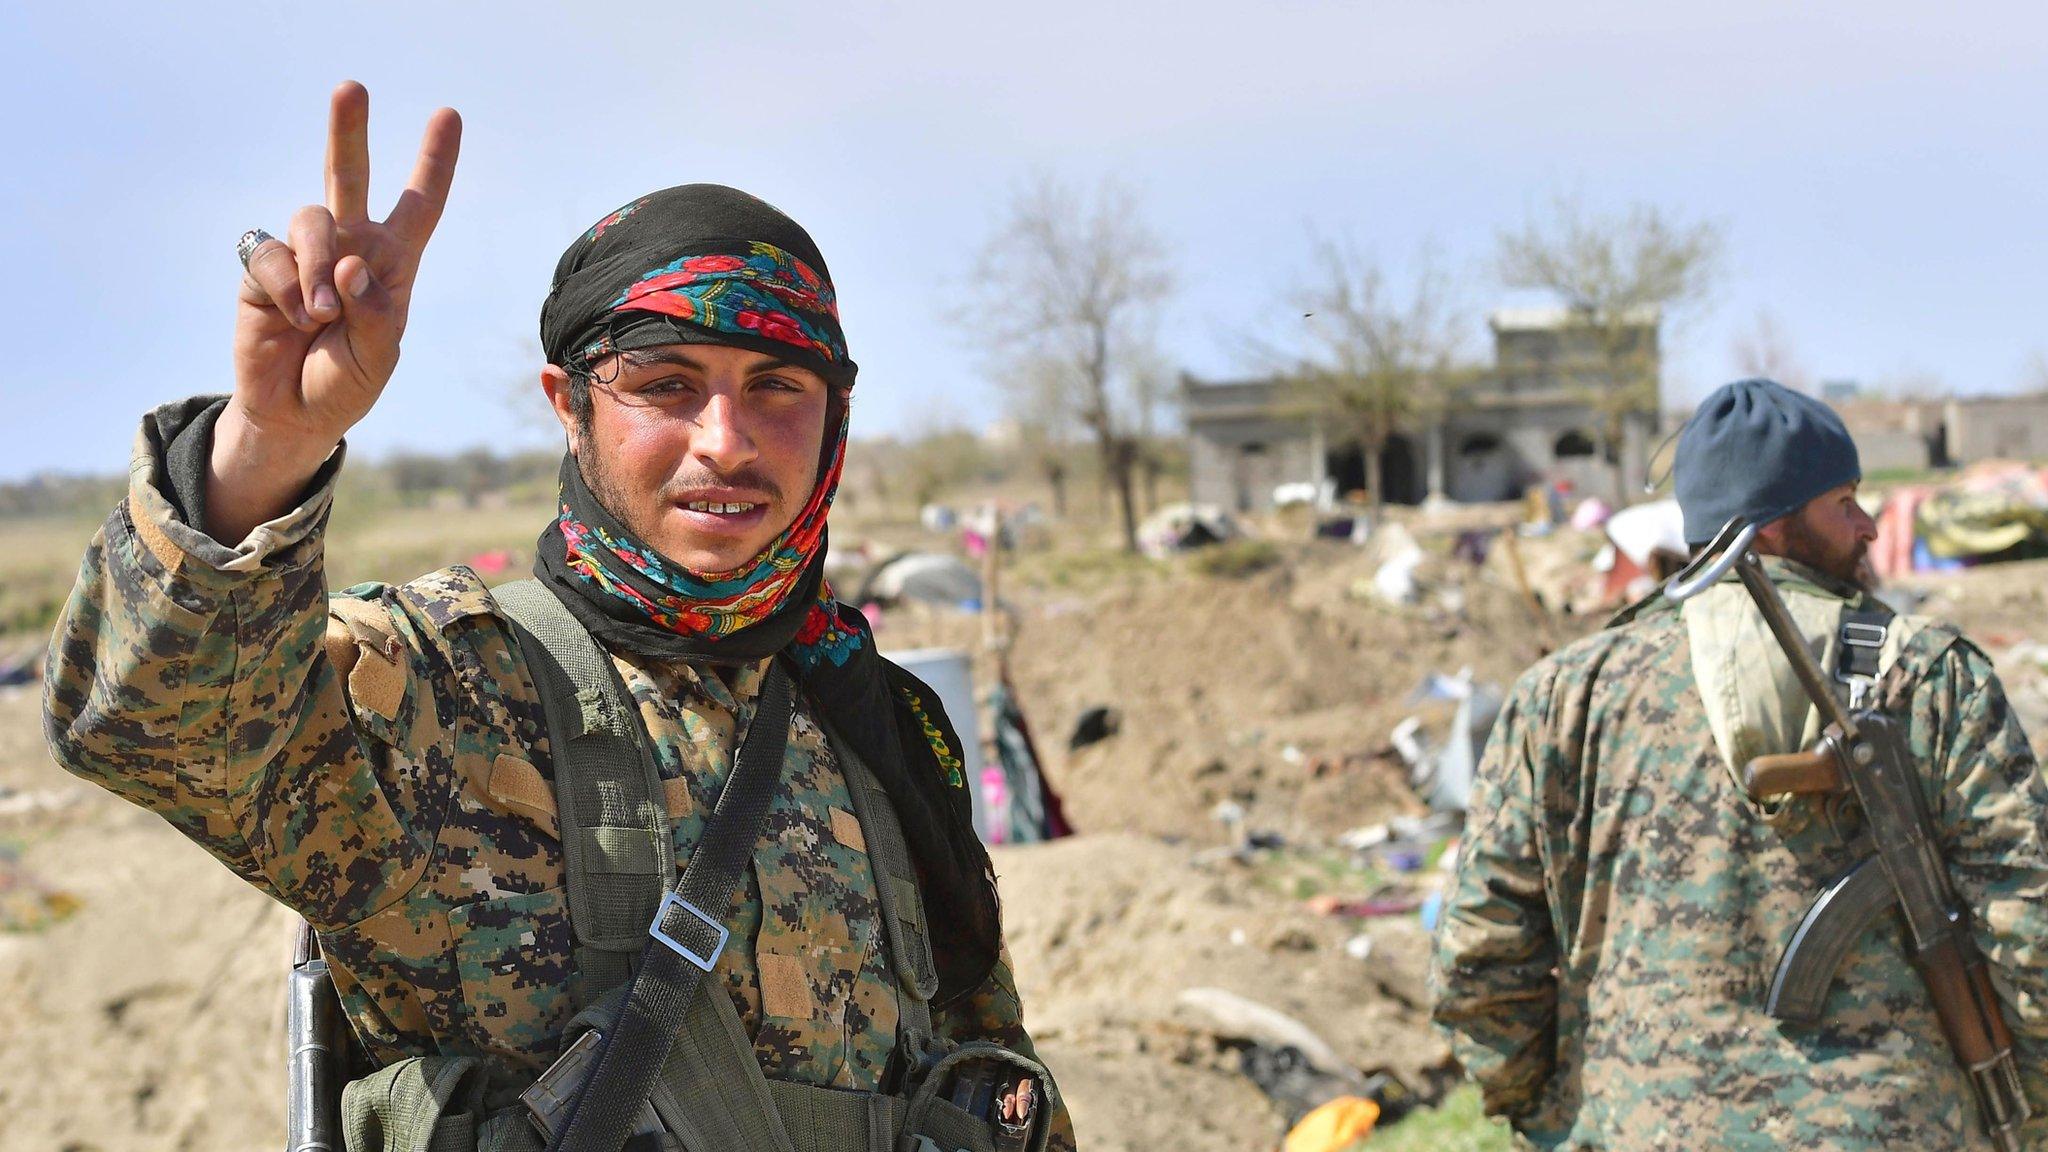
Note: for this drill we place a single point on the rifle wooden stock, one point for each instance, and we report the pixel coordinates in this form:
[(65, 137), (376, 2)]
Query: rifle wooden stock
[(1813, 773)]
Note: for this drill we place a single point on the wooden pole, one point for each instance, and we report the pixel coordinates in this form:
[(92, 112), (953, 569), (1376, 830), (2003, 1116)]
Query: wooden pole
[(1544, 621), (993, 639)]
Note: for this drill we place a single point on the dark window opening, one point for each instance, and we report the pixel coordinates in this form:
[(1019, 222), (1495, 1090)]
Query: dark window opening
[(1573, 443)]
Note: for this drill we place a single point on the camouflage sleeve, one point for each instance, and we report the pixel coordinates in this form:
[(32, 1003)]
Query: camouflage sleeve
[(995, 1012), (191, 678), (1495, 994), (1993, 813)]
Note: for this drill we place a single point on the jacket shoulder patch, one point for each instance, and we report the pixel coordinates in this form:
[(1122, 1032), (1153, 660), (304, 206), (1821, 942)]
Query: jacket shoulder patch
[(363, 644), (454, 593)]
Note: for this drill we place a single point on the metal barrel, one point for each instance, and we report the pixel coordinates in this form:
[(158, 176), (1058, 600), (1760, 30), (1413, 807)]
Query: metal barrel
[(315, 1050)]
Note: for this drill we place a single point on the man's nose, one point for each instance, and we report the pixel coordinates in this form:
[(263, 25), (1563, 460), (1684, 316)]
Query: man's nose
[(720, 437)]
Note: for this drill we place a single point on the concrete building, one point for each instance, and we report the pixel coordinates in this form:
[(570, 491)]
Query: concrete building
[(1913, 435), (1531, 416), (1995, 428)]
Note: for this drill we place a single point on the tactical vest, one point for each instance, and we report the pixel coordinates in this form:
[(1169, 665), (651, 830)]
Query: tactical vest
[(710, 1094)]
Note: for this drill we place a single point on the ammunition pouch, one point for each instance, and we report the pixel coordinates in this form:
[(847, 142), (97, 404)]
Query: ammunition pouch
[(951, 1105), (434, 1104)]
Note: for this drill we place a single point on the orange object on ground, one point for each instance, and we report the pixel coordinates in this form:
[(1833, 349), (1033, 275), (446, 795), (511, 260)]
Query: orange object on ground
[(1335, 1125)]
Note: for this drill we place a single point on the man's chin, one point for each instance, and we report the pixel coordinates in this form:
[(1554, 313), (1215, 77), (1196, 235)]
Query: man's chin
[(715, 562), (718, 552)]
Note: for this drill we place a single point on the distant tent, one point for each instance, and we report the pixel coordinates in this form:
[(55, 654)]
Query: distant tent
[(927, 577)]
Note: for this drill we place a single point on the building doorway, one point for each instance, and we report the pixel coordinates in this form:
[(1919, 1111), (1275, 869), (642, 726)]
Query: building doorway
[(1400, 470)]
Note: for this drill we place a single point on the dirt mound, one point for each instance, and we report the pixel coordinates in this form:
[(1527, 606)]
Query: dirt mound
[(1275, 690)]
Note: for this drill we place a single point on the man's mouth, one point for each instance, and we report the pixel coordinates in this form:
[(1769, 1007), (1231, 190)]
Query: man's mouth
[(721, 507)]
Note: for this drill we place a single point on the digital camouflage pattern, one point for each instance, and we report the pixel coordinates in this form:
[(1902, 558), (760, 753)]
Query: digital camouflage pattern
[(1620, 907), (379, 763)]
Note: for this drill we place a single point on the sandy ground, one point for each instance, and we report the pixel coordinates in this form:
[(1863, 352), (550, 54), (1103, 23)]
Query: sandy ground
[(150, 1018)]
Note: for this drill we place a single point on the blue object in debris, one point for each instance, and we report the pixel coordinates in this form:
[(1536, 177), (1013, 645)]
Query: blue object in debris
[(1432, 908)]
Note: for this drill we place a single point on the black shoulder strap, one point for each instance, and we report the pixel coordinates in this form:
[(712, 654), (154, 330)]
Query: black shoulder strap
[(685, 939), (683, 942)]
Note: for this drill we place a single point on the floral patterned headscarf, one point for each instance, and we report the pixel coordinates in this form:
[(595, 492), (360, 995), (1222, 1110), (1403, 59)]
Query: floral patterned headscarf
[(648, 275), (708, 264)]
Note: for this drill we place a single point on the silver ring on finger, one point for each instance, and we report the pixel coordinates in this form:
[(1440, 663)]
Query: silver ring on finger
[(251, 240)]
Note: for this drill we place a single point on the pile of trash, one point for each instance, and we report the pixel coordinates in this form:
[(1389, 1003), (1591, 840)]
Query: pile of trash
[(1993, 511), (1177, 528), (27, 904), (22, 667)]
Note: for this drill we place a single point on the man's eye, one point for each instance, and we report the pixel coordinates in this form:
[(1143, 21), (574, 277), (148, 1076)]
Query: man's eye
[(781, 384)]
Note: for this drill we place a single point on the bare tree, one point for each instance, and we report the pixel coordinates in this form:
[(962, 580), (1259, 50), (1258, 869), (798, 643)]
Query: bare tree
[(1151, 383), (1377, 358), (1621, 275), (1074, 285), (1766, 350), (1038, 395)]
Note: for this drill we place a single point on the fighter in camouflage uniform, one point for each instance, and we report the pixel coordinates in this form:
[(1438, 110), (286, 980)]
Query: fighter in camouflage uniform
[(1620, 904), (379, 760)]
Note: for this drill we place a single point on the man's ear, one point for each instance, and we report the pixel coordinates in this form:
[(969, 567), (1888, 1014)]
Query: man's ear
[(555, 383)]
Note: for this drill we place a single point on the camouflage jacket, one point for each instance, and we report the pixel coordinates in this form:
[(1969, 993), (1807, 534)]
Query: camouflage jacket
[(1620, 906), (378, 762)]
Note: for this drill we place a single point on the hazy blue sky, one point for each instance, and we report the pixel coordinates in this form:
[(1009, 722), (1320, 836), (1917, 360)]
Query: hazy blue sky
[(1870, 161)]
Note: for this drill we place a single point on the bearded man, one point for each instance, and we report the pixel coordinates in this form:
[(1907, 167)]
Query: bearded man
[(664, 808), (1606, 948)]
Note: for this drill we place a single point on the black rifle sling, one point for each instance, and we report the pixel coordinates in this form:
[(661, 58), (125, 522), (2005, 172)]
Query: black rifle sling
[(686, 937), (684, 942)]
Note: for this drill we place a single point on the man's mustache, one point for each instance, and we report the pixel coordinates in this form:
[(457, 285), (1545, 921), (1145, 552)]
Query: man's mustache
[(745, 478)]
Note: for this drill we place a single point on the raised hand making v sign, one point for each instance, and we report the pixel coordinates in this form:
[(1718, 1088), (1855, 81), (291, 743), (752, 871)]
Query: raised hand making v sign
[(386, 759), (319, 320)]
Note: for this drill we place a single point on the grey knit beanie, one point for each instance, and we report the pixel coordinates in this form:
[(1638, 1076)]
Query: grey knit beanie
[(1758, 450)]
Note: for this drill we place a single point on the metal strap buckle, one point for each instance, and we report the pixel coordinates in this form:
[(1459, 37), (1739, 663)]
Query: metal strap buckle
[(672, 900), (1858, 635)]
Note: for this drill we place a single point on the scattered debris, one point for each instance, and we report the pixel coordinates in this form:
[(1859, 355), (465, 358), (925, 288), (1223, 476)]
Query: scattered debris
[(1184, 527), (1094, 726), (1334, 1126), (1394, 582), (1241, 1018), (1472, 545), (1367, 909), (1296, 493), (1591, 513), (26, 903), (24, 667), (1030, 810), (13, 803), (1443, 776), (1645, 545), (1354, 529), (1996, 510), (493, 562)]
